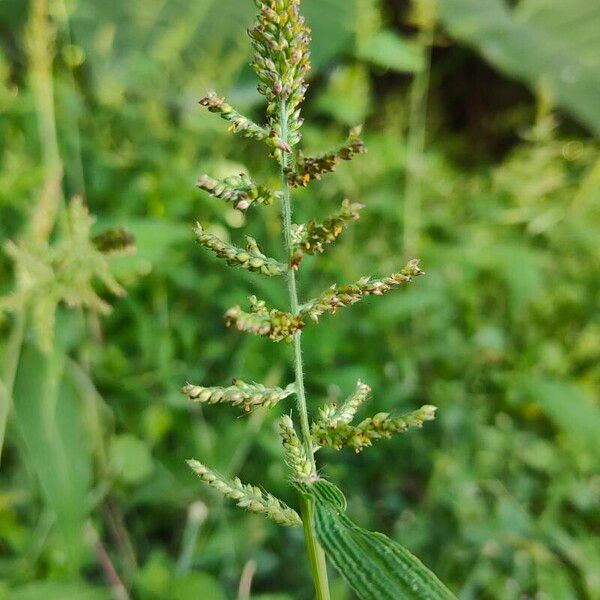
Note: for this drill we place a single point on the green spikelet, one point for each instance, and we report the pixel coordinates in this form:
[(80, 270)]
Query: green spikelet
[(240, 190), (331, 414), (308, 168), (239, 123), (382, 425), (240, 393), (346, 295), (295, 455), (274, 324), (250, 258), (248, 496), (312, 237)]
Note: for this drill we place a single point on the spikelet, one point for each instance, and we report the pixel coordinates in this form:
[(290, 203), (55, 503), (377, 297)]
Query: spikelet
[(308, 168), (281, 61), (349, 294), (295, 454), (332, 414), (240, 190), (239, 123), (250, 258), (274, 324), (312, 237), (248, 496), (382, 425), (240, 393)]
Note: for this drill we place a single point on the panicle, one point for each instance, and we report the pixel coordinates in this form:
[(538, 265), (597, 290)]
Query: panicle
[(239, 393), (248, 496), (239, 123), (250, 258), (240, 190), (308, 168), (382, 425), (349, 294), (295, 454), (311, 238), (281, 61), (274, 324), (332, 414)]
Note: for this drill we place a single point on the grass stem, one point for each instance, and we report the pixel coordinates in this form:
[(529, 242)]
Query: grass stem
[(315, 552)]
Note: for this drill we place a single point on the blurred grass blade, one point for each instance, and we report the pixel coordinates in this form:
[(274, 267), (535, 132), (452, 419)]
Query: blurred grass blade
[(49, 416), (373, 565)]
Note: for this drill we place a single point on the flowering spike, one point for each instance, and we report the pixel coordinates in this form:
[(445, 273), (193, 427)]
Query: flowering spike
[(295, 454), (239, 123), (331, 414), (238, 189), (382, 425), (312, 237), (274, 324), (281, 60), (248, 496), (346, 295), (308, 168), (251, 258), (240, 393)]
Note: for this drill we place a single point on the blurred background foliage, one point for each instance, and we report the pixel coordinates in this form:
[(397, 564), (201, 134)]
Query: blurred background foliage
[(480, 122)]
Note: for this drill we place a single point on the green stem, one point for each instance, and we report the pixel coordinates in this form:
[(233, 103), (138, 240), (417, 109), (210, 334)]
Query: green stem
[(316, 555)]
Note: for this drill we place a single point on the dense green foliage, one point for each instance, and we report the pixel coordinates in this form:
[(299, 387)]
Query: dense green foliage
[(499, 496)]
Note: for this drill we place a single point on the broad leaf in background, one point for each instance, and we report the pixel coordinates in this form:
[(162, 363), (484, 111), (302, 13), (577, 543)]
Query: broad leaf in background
[(389, 50), (554, 44), (373, 564), (49, 416)]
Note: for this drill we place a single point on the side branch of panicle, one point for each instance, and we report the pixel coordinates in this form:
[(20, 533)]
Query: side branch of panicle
[(332, 414), (240, 190), (308, 168), (382, 425), (349, 294), (248, 496), (239, 393), (239, 123), (271, 323), (250, 258), (311, 238), (281, 61), (295, 454)]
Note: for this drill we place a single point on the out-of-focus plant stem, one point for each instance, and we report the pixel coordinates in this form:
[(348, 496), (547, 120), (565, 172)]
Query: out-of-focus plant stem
[(416, 146)]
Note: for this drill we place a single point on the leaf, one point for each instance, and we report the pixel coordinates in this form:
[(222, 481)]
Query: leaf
[(554, 43), (50, 418), (373, 564), (130, 458), (567, 406), (49, 590), (391, 51)]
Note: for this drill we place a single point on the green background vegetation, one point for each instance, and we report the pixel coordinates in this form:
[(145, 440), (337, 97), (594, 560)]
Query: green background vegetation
[(485, 166)]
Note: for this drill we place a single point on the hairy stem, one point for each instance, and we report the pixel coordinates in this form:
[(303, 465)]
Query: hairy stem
[(315, 552)]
